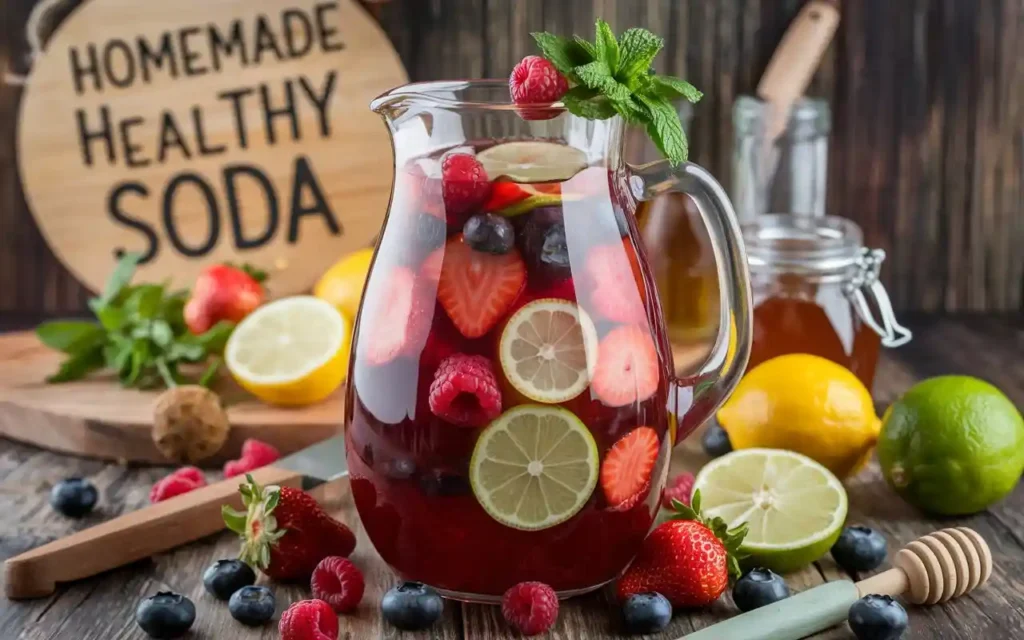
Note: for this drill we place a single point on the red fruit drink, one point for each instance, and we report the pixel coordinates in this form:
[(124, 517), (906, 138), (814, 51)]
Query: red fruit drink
[(484, 245)]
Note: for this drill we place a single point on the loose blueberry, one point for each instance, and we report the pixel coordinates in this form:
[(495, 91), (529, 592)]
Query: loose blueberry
[(489, 233), (252, 606), (74, 497), (757, 588), (715, 440), (165, 615), (860, 549), (878, 618), (646, 613), (440, 482), (412, 606), (224, 577), (546, 250)]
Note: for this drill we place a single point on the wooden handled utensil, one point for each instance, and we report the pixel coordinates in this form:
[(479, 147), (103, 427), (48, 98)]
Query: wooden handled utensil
[(163, 526), (933, 569)]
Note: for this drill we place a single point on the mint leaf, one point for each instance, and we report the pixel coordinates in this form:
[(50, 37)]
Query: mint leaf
[(564, 54), (637, 47), (119, 279), (70, 336), (606, 45), (597, 75), (589, 49), (632, 111), (665, 129), (588, 103), (79, 365), (673, 88)]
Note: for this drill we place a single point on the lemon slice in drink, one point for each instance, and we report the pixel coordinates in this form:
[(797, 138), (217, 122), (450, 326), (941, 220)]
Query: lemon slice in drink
[(534, 467), (547, 350), (794, 506), (293, 351), (532, 161)]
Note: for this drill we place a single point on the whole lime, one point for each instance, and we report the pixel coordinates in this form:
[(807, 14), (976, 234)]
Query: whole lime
[(952, 445)]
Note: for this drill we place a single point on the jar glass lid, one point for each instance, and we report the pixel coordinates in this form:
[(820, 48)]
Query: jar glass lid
[(802, 244)]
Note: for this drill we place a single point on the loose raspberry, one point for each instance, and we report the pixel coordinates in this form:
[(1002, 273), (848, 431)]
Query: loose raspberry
[(464, 184), (255, 454), (679, 489), (181, 481), (465, 391), (339, 583), (191, 473), (309, 620), (259, 453), (530, 607)]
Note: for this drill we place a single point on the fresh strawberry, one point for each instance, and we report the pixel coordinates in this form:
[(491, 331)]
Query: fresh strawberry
[(535, 81), (401, 319), (678, 490), (178, 482), (618, 290), (530, 607), (688, 559), (477, 289), (627, 367), (338, 582), (255, 454), (284, 532), (464, 185), (222, 292), (626, 470), (309, 620)]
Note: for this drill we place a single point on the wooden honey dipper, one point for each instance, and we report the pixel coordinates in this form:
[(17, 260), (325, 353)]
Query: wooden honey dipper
[(933, 569)]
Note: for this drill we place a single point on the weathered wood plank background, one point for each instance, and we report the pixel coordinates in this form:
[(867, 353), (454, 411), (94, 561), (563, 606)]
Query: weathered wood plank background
[(927, 150)]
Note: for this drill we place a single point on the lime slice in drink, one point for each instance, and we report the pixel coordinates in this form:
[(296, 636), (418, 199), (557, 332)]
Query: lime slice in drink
[(794, 506), (547, 349), (534, 467), (532, 161)]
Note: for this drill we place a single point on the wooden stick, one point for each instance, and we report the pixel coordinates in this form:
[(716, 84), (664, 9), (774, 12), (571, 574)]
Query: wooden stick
[(131, 537)]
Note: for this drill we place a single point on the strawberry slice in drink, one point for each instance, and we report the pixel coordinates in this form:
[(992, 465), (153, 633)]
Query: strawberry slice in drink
[(400, 321), (476, 289), (627, 367), (618, 292), (626, 470)]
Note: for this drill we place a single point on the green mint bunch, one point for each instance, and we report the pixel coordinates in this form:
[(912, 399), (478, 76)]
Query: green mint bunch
[(614, 76), (139, 333)]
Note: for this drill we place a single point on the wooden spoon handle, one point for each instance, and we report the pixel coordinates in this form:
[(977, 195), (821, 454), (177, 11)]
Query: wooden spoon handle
[(131, 537), (795, 60)]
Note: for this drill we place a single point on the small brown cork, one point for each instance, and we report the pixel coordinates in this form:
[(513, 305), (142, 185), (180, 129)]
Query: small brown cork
[(189, 424)]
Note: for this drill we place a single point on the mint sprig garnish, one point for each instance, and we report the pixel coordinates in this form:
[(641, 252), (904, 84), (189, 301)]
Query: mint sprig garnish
[(614, 76)]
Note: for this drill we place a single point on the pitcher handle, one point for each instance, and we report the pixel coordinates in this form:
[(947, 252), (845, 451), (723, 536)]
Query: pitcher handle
[(694, 399)]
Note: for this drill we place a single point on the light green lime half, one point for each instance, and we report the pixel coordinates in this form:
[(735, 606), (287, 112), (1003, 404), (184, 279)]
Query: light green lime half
[(534, 467), (795, 507)]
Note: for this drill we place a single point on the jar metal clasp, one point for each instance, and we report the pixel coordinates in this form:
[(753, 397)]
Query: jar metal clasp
[(864, 285)]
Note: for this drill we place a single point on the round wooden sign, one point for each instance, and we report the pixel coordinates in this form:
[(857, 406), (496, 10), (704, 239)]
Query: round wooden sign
[(197, 131)]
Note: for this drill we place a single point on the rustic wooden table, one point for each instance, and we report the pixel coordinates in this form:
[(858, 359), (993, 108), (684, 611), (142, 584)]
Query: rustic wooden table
[(102, 608)]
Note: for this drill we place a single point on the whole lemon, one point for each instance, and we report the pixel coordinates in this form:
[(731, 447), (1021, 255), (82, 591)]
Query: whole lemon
[(952, 445), (342, 284), (806, 404)]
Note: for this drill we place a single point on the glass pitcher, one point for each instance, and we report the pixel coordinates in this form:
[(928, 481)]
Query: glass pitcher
[(512, 404)]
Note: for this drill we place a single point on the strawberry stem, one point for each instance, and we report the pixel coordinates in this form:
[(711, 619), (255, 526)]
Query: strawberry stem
[(732, 539), (256, 526)]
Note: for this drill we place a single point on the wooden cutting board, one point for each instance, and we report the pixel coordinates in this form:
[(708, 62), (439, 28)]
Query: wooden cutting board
[(97, 418)]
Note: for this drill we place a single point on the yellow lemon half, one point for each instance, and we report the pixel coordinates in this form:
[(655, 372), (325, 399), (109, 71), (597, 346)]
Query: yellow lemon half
[(342, 284), (806, 404), (293, 351)]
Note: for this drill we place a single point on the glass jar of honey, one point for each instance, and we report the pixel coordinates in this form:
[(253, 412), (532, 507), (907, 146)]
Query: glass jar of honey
[(816, 290)]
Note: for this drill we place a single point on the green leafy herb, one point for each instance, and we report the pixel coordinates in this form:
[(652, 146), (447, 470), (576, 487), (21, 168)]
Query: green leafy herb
[(614, 76), (139, 333)]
